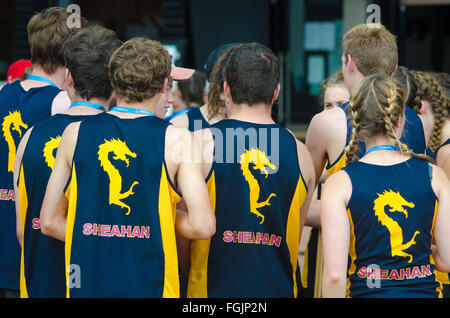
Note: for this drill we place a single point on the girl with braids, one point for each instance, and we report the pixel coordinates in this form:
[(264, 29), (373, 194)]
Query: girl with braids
[(381, 213), (434, 110)]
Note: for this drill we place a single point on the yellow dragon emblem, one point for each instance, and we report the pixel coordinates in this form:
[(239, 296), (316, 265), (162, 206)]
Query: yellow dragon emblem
[(260, 161), (48, 150), (121, 151), (396, 202), (14, 119)]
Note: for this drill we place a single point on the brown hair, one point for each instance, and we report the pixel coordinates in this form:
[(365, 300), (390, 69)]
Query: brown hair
[(47, 31), (87, 54), (193, 89), (215, 104), (406, 78), (373, 48), (430, 90), (138, 69), (375, 105)]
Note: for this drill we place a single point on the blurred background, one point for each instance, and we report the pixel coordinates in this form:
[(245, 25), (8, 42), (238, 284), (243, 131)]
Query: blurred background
[(305, 34)]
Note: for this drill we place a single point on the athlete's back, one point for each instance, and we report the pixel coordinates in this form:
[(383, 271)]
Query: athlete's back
[(19, 110), (43, 273), (256, 189), (393, 217), (122, 225)]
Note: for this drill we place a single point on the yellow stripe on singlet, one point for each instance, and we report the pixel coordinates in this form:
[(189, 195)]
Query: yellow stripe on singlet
[(167, 196), (351, 252), (293, 227), (198, 274), (441, 277), (71, 194), (23, 206)]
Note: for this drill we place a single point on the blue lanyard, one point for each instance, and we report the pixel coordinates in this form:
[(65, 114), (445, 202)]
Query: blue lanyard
[(41, 79), (83, 103), (381, 147), (132, 110), (179, 113)]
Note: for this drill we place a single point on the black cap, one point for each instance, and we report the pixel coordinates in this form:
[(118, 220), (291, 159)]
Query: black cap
[(214, 56)]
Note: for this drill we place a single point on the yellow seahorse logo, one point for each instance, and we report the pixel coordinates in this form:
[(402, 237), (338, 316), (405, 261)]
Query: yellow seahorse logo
[(396, 203), (121, 151), (14, 119), (48, 150), (260, 161)]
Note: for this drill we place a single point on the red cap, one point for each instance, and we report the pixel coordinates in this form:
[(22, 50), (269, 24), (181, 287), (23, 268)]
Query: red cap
[(17, 69)]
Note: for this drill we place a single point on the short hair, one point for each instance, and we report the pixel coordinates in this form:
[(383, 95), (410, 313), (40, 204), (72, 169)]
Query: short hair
[(193, 89), (373, 48), (87, 54), (138, 69), (47, 31), (252, 73)]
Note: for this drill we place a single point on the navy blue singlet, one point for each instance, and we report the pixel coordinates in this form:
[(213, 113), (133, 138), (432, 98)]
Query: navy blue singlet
[(19, 110)]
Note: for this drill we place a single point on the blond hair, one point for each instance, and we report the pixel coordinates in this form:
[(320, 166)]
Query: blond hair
[(376, 103), (429, 89), (373, 48), (138, 69)]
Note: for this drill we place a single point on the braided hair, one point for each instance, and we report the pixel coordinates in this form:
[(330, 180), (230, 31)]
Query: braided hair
[(429, 89), (375, 105)]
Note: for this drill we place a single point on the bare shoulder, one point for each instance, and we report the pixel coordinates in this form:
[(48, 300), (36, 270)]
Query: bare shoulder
[(181, 121), (61, 103), (327, 121), (338, 185), (440, 182)]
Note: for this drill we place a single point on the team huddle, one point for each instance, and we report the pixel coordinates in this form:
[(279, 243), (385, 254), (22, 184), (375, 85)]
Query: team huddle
[(103, 195)]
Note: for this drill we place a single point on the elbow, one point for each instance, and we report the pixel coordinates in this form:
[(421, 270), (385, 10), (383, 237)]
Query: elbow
[(47, 227), (205, 229)]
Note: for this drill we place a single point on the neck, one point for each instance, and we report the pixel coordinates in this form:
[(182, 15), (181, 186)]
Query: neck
[(357, 77), (427, 123), (257, 113), (146, 104), (57, 77), (81, 109), (377, 141), (177, 108)]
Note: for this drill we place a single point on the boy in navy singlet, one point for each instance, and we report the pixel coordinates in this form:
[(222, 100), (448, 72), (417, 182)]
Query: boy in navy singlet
[(260, 182), (23, 104), (119, 226), (87, 55)]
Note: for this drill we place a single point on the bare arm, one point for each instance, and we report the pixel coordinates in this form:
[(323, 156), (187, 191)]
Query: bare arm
[(441, 234), (54, 207), (184, 154), (316, 143), (307, 170), (18, 195), (335, 234)]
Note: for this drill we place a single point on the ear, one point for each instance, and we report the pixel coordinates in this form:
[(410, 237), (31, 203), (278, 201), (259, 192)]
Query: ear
[(164, 88), (399, 122), (276, 92), (227, 92), (350, 64), (395, 70), (68, 78)]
